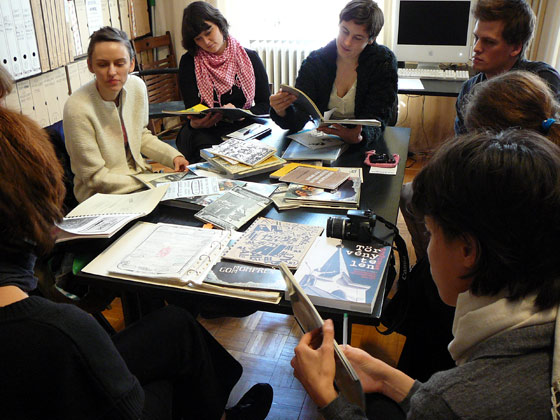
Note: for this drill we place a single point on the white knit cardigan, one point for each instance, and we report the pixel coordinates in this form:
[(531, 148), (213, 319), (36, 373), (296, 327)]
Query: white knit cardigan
[(95, 141)]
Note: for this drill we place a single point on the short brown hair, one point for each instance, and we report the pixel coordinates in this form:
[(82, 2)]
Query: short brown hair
[(32, 189), (513, 99), (364, 12), (518, 18), (109, 34)]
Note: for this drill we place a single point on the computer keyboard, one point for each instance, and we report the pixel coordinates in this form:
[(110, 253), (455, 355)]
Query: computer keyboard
[(438, 74)]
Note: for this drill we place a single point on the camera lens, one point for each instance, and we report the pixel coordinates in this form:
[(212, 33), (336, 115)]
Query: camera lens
[(337, 228)]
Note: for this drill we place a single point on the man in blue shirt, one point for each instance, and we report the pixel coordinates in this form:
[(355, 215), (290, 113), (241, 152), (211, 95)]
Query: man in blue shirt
[(502, 33)]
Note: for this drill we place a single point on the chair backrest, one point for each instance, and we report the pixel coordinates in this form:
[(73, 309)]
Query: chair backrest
[(161, 87)]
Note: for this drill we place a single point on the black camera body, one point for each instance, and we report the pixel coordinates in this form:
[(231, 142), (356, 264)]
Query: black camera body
[(358, 225)]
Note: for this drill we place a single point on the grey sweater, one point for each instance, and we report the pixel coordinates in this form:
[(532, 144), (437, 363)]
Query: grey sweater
[(507, 377)]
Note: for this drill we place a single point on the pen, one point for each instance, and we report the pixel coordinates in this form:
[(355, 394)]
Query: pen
[(345, 329), (248, 131)]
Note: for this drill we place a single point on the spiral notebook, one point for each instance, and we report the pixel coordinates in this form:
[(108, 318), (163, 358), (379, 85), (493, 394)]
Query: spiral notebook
[(102, 215), (176, 253)]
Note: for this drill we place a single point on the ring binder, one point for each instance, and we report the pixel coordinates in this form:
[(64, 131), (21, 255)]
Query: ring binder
[(173, 253)]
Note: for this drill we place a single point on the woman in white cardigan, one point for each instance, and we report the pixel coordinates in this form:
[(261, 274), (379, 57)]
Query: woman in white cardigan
[(105, 122)]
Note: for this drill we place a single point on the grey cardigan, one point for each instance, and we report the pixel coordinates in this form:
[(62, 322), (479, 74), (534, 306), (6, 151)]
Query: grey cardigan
[(507, 377)]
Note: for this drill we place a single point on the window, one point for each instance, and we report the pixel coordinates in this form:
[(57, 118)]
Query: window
[(304, 20)]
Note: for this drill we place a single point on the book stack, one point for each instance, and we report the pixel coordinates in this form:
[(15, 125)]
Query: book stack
[(239, 158), (238, 170), (312, 186)]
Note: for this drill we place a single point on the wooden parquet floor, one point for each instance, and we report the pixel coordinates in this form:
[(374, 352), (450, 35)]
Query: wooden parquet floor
[(264, 342)]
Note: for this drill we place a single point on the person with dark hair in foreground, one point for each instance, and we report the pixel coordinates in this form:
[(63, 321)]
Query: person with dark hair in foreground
[(353, 74), (491, 202), (216, 71), (57, 361)]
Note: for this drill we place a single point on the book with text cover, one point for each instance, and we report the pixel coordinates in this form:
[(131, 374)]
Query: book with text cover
[(229, 113), (346, 196), (240, 170), (249, 152), (233, 209), (236, 274), (343, 274), (315, 177), (270, 242), (103, 215), (305, 103), (346, 379)]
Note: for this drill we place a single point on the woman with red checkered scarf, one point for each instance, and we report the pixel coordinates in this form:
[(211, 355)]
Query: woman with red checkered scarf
[(216, 71)]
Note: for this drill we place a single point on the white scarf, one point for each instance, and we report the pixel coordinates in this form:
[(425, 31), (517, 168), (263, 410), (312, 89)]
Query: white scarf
[(480, 317)]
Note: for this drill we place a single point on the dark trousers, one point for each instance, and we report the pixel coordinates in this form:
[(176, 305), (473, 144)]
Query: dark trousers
[(380, 407), (185, 372)]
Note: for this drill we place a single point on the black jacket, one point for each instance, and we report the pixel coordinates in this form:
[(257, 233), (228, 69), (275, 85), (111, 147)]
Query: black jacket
[(376, 89), (191, 96)]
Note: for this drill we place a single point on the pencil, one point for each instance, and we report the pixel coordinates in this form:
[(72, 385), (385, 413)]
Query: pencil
[(345, 329)]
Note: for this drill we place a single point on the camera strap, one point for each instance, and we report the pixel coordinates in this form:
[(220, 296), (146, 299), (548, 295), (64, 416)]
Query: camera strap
[(404, 264)]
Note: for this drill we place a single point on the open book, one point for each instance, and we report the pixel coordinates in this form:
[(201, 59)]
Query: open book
[(346, 378), (230, 113), (102, 215), (305, 103), (174, 256)]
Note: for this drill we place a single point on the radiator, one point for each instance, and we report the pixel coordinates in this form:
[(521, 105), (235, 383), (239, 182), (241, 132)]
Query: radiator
[(282, 59)]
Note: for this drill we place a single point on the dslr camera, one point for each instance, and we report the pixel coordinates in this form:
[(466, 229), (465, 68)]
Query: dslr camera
[(358, 225)]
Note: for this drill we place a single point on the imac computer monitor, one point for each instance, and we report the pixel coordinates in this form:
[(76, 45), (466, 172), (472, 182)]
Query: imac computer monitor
[(433, 31)]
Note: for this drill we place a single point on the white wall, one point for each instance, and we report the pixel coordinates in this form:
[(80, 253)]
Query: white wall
[(549, 47)]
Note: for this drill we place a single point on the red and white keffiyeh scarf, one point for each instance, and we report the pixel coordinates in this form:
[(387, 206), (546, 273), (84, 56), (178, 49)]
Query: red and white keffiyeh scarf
[(220, 72)]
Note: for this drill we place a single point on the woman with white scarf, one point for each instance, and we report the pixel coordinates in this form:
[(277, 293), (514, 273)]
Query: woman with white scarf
[(216, 71), (491, 202)]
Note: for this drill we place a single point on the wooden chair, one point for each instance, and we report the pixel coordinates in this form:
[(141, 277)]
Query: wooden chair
[(158, 68)]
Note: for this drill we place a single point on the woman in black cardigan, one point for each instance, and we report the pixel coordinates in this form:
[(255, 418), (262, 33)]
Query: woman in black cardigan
[(353, 64), (217, 72)]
